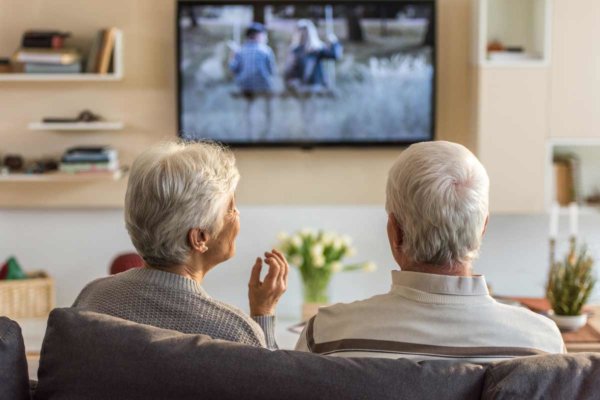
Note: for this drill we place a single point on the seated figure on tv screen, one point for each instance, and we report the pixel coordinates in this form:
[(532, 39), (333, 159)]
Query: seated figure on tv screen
[(304, 70), (437, 206), (254, 68)]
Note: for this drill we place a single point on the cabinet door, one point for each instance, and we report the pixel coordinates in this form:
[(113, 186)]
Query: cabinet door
[(512, 130), (575, 76)]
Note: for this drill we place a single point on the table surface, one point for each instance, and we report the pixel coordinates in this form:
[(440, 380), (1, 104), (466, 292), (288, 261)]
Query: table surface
[(34, 330)]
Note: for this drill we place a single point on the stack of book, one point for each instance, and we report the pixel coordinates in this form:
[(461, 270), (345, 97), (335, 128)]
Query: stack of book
[(89, 159), (43, 52)]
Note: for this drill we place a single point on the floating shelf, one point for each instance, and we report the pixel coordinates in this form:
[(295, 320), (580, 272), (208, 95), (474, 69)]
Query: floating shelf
[(587, 175), (62, 177), (116, 75), (75, 126), (514, 23)]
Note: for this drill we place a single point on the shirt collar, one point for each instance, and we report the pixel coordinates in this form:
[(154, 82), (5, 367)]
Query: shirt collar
[(440, 284)]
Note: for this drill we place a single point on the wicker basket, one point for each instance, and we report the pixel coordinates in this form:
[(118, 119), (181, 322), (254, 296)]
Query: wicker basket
[(26, 298)]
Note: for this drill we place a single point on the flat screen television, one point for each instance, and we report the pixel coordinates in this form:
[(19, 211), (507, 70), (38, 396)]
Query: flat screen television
[(278, 73)]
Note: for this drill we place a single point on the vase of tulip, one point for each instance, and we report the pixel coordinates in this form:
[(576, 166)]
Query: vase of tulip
[(318, 255)]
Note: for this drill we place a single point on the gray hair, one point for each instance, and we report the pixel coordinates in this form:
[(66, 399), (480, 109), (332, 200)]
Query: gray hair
[(175, 187), (439, 194)]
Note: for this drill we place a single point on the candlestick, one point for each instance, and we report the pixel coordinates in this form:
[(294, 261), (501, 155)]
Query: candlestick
[(573, 219), (554, 221)]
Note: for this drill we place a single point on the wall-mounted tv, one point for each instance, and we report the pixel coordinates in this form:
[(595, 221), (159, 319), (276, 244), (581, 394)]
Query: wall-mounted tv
[(303, 73)]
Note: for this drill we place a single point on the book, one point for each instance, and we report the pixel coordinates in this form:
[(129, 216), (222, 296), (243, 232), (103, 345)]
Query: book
[(44, 39), (91, 65), (47, 56), (107, 48), (89, 167), (33, 68)]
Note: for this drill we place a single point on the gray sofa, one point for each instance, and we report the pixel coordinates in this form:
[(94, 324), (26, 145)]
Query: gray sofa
[(93, 356)]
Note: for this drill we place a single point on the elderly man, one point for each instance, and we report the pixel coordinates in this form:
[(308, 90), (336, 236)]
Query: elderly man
[(437, 206)]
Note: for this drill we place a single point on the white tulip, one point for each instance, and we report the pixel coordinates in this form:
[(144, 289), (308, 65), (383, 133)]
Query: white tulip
[(337, 243), (319, 262), (306, 232), (296, 260), (296, 241), (317, 250), (283, 236), (336, 267), (347, 240), (370, 267), (327, 238), (351, 252)]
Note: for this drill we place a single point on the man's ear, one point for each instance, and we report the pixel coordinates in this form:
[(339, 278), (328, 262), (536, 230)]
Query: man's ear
[(485, 224), (397, 232), (198, 240)]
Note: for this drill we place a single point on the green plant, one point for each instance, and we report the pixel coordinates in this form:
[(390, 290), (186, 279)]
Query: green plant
[(318, 255), (570, 282)]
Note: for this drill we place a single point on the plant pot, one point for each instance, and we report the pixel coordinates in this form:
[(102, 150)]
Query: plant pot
[(568, 322), (310, 309)]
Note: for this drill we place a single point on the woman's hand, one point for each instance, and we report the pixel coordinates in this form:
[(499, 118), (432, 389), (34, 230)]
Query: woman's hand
[(264, 295)]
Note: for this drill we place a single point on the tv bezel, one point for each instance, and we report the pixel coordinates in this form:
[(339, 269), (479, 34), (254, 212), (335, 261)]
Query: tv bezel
[(309, 144)]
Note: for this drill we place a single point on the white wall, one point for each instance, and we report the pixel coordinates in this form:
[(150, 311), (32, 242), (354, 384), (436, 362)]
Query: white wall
[(77, 246)]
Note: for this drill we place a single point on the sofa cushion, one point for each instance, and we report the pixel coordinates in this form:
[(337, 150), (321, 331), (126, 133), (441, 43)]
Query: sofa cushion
[(94, 356), (571, 376), (14, 377)]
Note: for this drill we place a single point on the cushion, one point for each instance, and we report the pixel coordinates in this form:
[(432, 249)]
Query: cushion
[(14, 377), (94, 356), (571, 376)]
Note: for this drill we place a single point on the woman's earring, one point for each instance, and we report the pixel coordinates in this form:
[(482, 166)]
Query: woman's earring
[(204, 248)]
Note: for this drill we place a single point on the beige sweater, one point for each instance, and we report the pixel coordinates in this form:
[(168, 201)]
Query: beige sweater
[(171, 301), (427, 316)]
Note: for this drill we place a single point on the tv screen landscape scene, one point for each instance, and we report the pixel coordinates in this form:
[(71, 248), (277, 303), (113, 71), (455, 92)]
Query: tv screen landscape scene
[(306, 73)]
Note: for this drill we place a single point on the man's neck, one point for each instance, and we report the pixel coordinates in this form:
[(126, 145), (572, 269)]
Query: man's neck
[(451, 270)]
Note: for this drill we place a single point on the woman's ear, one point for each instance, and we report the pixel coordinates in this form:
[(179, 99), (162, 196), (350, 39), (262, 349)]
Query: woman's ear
[(485, 224), (198, 239)]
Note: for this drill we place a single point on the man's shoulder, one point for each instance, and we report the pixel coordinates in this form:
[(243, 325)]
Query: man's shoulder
[(526, 316), (345, 312)]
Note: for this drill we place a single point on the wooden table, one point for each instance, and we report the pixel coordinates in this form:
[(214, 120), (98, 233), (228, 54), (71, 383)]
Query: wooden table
[(594, 346)]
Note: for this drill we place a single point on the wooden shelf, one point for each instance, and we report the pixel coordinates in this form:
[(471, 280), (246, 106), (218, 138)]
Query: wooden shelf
[(62, 177), (59, 77), (82, 77), (76, 126)]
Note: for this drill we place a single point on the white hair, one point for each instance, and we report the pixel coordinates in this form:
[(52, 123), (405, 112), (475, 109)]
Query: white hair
[(439, 193), (314, 42), (175, 187)]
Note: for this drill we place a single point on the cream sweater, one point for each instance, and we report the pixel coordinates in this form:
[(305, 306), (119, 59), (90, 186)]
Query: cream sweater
[(427, 316)]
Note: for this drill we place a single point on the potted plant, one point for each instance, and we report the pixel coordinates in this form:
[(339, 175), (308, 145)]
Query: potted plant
[(318, 255), (570, 284)]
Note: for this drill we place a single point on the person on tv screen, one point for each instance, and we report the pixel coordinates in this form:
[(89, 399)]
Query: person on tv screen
[(304, 69), (254, 64), (254, 68)]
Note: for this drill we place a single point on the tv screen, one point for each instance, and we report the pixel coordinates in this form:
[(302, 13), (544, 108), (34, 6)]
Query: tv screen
[(306, 73)]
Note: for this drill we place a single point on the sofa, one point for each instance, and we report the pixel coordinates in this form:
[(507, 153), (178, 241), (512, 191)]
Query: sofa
[(93, 356)]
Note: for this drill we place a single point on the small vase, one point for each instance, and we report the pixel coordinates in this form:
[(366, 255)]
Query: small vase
[(568, 322), (315, 296)]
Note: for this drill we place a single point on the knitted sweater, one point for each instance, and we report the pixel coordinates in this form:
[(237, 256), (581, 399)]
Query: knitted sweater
[(170, 301)]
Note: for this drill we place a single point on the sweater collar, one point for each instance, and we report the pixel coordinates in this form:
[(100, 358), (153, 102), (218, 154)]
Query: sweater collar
[(440, 284), (166, 279)]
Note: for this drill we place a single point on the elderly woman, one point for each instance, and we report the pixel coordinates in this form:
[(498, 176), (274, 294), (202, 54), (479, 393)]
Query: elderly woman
[(181, 216), (437, 212)]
